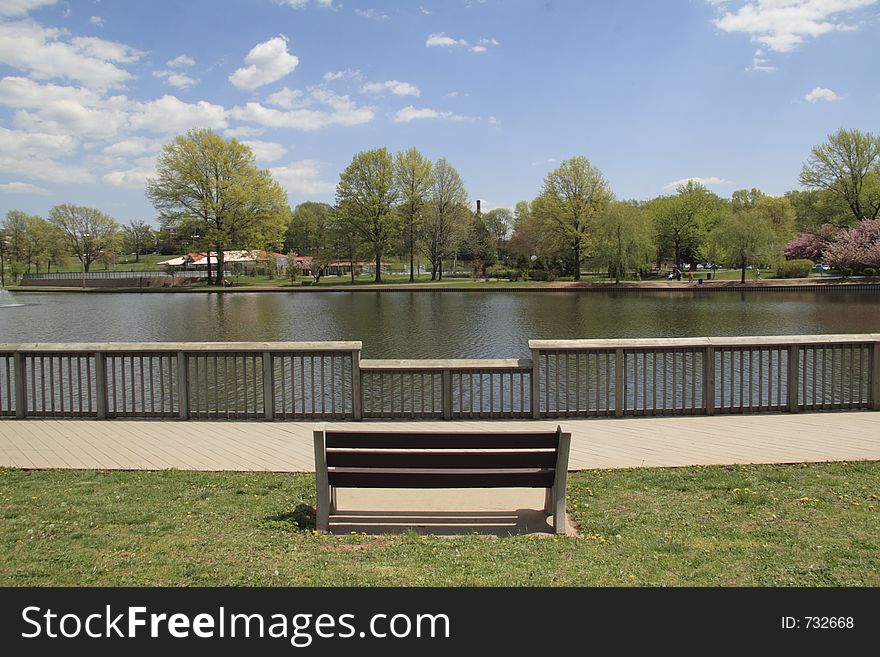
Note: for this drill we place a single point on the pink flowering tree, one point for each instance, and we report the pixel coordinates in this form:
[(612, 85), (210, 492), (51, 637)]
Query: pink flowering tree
[(856, 248), (812, 246)]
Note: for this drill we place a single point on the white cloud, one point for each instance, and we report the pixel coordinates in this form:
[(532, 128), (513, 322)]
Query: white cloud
[(97, 21), (181, 61), (371, 14), (19, 7), (133, 146), (302, 177), (22, 188), (425, 12), (169, 114), (821, 93), (243, 131), (266, 62), (443, 40), (410, 113), (135, 177), (293, 4), (287, 98), (347, 74), (175, 79), (28, 46), (342, 111), (706, 182), (326, 4), (266, 151), (782, 25), (35, 155), (478, 49), (760, 63), (396, 87)]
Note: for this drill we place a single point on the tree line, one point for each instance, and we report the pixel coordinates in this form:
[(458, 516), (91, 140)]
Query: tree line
[(210, 195)]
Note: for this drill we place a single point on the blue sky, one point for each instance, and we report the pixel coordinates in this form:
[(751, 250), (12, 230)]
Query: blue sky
[(653, 92)]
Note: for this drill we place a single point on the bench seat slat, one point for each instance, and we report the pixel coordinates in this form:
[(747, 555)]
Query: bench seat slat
[(440, 478), (444, 459), (380, 440)]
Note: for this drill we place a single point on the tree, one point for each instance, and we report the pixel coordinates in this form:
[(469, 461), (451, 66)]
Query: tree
[(412, 177), (745, 237), (681, 221), (136, 236), (856, 248), (479, 244), (848, 166), (573, 195), (365, 196), (201, 175), (308, 225), (812, 245), (88, 232), (499, 223), (623, 238), (444, 225)]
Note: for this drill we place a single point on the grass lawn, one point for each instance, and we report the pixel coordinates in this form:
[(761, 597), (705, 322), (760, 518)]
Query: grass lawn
[(803, 525)]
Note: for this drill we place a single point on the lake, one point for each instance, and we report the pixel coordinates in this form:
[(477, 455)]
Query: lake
[(429, 324)]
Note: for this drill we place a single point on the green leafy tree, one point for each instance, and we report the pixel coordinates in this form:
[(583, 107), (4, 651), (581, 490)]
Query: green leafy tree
[(499, 222), (574, 194), (413, 179), (137, 237), (308, 226), (682, 221), (848, 166), (200, 175), (444, 225), (89, 233), (746, 238), (814, 208), (365, 197), (623, 238)]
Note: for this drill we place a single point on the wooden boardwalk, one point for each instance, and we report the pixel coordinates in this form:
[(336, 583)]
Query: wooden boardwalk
[(287, 446)]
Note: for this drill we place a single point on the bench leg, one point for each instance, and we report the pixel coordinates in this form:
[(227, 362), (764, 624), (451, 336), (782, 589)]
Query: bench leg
[(332, 499), (548, 501), (322, 509), (559, 510)]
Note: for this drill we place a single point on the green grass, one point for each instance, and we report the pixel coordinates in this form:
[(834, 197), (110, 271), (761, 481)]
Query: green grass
[(802, 525)]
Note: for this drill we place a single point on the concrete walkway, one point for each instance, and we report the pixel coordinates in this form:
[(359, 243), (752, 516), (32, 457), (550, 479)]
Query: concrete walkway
[(287, 446)]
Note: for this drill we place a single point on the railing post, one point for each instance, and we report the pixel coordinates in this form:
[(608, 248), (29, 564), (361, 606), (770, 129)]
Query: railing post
[(619, 367), (182, 385), (20, 385), (269, 386), (101, 385), (535, 379), (875, 376), (709, 380), (446, 393), (793, 378), (357, 395)]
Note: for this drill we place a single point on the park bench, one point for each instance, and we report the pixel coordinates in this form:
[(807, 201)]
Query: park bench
[(415, 459)]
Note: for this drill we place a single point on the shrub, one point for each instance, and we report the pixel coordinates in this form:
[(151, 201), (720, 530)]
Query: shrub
[(538, 275), (869, 271), (501, 271), (799, 268)]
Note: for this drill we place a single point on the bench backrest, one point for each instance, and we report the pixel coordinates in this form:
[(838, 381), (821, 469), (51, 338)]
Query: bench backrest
[(392, 459)]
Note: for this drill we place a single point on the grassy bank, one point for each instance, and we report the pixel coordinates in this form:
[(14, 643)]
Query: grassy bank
[(804, 525)]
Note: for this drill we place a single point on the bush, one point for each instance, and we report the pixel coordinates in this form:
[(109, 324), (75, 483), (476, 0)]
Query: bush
[(538, 275), (799, 268), (457, 274), (501, 271), (869, 271)]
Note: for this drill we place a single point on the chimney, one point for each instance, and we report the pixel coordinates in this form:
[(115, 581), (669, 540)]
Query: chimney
[(478, 206)]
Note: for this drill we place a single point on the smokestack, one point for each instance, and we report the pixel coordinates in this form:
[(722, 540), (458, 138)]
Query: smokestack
[(478, 206)]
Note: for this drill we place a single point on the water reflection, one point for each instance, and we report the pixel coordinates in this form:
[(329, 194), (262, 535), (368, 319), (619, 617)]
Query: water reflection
[(431, 324)]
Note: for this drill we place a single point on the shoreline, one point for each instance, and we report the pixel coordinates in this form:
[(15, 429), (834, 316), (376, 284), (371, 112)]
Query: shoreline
[(567, 286)]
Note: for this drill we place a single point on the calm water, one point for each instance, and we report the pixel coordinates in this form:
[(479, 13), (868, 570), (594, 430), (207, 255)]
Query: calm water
[(428, 324)]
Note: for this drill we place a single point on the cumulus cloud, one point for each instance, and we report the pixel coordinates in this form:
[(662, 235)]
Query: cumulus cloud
[(19, 7), (395, 87), (267, 62), (35, 155), (442, 40), (266, 151), (287, 98), (133, 146), (181, 61), (410, 113), (341, 110), (347, 74), (705, 181), (96, 21), (175, 79), (243, 131), (821, 93), (134, 177), (43, 52), (782, 25), (22, 188), (169, 114), (302, 177)]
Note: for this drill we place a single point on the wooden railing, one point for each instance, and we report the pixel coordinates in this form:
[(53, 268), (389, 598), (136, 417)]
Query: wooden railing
[(328, 380)]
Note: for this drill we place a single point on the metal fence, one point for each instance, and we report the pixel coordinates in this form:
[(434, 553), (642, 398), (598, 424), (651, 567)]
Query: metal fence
[(104, 275), (328, 380)]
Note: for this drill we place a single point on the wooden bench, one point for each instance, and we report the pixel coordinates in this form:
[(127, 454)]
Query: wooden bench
[(396, 459)]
